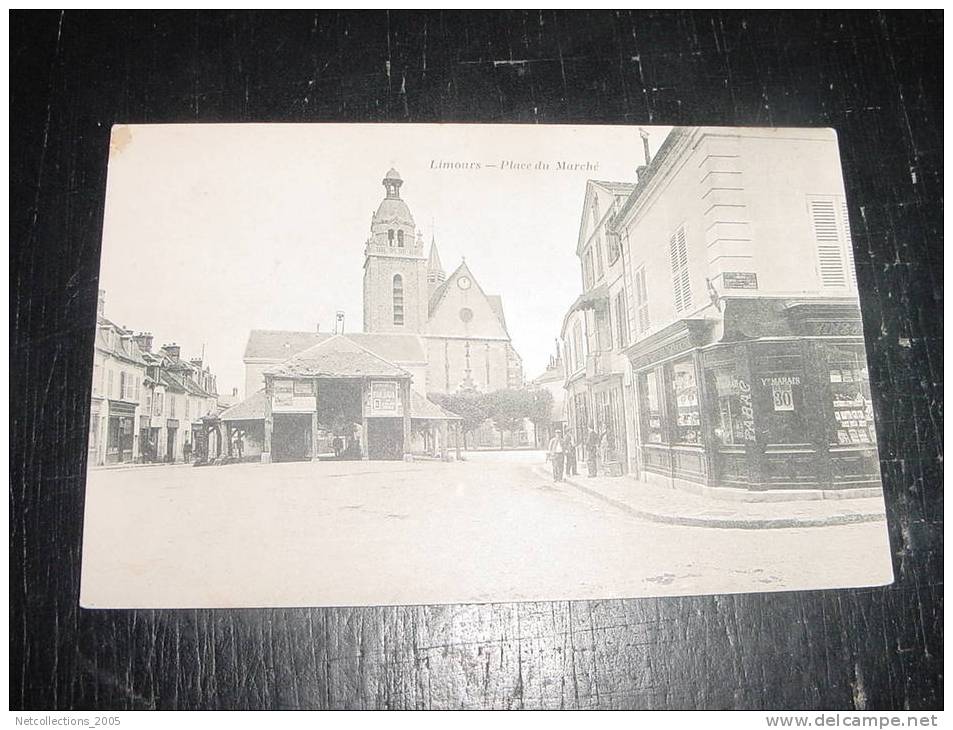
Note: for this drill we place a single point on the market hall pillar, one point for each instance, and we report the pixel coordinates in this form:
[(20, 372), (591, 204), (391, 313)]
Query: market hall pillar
[(365, 454), (405, 401), (314, 435), (269, 423)]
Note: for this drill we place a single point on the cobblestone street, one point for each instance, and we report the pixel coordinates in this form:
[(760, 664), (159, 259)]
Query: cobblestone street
[(484, 530)]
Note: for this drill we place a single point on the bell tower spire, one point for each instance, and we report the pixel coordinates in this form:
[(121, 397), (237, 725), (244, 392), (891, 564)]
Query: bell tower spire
[(395, 268)]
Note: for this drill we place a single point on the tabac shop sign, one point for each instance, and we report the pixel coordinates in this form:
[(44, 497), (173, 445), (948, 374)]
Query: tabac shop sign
[(782, 390)]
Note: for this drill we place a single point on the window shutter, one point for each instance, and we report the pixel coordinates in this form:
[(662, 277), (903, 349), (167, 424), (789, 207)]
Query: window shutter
[(681, 283), (848, 243), (830, 260)]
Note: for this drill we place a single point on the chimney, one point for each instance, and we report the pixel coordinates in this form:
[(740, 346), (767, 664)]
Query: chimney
[(172, 350), (645, 146), (101, 303), (144, 341)]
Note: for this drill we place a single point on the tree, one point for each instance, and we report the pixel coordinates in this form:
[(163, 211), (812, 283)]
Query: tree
[(508, 408), (541, 411), (470, 405)]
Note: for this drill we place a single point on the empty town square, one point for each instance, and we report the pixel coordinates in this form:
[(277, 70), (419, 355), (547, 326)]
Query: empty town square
[(493, 527)]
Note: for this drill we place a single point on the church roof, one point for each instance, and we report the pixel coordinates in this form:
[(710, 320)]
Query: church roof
[(494, 300), (496, 304), (393, 209), (278, 345), (433, 262), (392, 174), (339, 357)]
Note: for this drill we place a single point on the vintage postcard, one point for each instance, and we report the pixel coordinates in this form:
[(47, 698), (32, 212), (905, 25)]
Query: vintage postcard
[(342, 364)]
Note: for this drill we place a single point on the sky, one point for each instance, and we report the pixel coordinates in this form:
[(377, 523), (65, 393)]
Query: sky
[(211, 231)]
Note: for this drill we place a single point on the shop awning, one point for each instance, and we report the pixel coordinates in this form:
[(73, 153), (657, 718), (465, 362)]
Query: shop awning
[(596, 297)]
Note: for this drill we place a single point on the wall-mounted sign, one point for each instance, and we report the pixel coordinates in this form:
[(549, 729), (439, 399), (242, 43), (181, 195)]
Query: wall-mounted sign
[(382, 399), (782, 391), (286, 400), (739, 280)]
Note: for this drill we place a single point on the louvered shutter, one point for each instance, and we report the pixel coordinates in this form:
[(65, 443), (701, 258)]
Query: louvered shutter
[(848, 243), (643, 302), (681, 283), (830, 259)]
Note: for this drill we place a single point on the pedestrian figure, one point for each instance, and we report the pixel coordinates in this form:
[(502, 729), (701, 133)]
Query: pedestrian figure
[(187, 452), (569, 444), (240, 445), (338, 444), (556, 453), (593, 440)]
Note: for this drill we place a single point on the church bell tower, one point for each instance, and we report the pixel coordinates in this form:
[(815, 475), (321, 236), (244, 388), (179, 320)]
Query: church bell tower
[(395, 268)]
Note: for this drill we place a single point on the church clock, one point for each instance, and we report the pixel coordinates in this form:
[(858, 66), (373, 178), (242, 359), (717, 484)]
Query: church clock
[(464, 282)]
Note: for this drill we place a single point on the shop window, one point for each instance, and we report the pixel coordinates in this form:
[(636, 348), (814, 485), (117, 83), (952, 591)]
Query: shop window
[(582, 418), (852, 415), (781, 410), (687, 410), (93, 432), (681, 281), (652, 427), (733, 407)]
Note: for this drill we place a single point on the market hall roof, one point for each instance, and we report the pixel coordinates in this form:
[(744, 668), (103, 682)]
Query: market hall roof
[(253, 408), (278, 345), (337, 357), (426, 409)]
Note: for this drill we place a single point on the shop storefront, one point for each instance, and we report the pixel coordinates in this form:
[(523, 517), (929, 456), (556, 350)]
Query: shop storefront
[(120, 432), (774, 397)]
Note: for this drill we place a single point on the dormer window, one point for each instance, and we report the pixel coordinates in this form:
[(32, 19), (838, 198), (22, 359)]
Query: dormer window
[(390, 237), (400, 239)]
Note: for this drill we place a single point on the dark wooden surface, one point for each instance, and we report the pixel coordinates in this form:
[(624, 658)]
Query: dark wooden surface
[(874, 77)]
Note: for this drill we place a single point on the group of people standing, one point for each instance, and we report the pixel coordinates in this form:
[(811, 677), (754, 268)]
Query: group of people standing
[(561, 453)]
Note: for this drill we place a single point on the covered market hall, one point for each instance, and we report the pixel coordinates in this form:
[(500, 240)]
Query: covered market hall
[(338, 400)]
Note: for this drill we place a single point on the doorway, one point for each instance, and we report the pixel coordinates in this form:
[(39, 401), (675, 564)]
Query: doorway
[(385, 439), (291, 438)]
